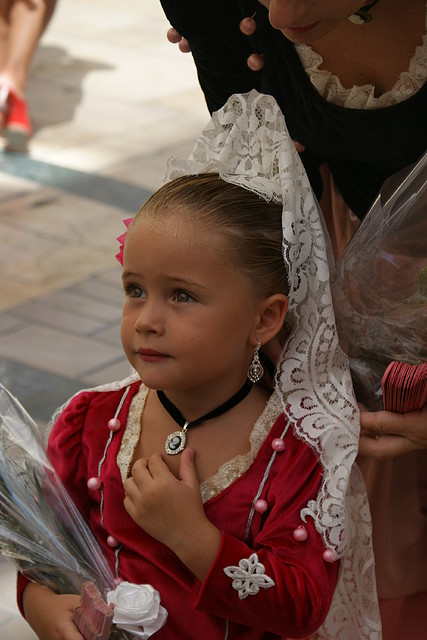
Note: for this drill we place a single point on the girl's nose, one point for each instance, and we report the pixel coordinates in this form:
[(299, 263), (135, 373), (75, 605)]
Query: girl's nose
[(285, 13), (149, 319)]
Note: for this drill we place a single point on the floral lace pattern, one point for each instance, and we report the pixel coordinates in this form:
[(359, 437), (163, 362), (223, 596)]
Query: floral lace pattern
[(248, 144), (363, 97)]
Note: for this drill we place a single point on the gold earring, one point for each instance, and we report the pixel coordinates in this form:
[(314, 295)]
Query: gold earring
[(256, 370)]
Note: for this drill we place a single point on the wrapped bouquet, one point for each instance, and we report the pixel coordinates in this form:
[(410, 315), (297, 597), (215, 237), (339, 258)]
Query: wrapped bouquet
[(379, 288), (43, 533)]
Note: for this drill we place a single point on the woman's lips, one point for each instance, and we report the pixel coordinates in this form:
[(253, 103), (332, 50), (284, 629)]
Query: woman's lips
[(307, 27)]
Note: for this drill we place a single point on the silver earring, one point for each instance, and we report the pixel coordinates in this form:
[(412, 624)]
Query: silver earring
[(256, 370)]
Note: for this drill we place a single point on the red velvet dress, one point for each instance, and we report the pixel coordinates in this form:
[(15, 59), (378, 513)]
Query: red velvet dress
[(295, 599)]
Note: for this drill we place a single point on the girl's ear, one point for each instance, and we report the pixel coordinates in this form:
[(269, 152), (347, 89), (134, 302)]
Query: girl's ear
[(270, 318)]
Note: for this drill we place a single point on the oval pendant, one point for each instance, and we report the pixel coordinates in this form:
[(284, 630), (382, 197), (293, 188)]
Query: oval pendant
[(175, 443), (360, 17)]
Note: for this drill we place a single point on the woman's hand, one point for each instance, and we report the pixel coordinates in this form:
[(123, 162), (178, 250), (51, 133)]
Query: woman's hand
[(176, 38), (171, 510), (49, 614), (387, 435)]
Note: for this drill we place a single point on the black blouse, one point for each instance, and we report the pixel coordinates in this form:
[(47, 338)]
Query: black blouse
[(363, 147)]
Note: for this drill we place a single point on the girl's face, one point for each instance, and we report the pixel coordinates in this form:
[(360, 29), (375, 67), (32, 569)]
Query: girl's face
[(309, 20), (189, 314)]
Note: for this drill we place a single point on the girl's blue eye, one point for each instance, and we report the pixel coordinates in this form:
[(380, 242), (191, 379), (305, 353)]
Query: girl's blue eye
[(183, 296), (132, 291)]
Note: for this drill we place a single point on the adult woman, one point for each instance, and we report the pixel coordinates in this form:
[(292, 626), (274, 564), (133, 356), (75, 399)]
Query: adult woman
[(356, 122), (351, 82)]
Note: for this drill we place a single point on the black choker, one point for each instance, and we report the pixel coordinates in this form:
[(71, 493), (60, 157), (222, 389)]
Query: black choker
[(175, 442), (363, 15)]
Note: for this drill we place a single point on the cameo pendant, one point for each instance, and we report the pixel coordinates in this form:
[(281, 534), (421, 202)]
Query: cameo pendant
[(175, 442)]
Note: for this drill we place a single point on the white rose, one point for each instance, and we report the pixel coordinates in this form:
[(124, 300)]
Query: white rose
[(137, 609)]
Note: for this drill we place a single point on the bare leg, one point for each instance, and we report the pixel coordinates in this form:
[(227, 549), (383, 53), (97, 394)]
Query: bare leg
[(4, 30), (25, 23)]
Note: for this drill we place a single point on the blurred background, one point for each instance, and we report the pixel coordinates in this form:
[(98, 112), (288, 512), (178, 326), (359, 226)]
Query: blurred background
[(110, 100)]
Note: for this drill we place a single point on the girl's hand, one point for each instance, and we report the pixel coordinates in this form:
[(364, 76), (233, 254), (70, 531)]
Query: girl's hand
[(171, 510), (50, 615), (387, 435), (168, 508)]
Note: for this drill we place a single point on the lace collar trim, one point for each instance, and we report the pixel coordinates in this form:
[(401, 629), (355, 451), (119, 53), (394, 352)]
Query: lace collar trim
[(228, 472), (363, 97)]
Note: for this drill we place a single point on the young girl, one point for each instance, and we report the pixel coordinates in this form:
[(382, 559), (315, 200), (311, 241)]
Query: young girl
[(189, 474)]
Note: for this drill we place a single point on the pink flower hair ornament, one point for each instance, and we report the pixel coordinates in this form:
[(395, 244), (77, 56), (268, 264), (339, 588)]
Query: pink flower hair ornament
[(121, 240)]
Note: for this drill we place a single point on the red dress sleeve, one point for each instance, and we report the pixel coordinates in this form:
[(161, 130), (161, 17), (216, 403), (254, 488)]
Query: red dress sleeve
[(272, 581)]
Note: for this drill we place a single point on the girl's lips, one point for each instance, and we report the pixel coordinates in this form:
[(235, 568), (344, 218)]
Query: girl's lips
[(307, 27), (149, 355)]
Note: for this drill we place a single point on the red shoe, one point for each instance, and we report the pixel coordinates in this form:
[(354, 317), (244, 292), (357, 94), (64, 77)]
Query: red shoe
[(17, 129)]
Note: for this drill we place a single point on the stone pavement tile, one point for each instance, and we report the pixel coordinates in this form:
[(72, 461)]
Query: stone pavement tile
[(112, 276), (39, 392), (57, 352), (109, 336), (151, 168), (56, 216), (117, 371), (72, 301), (10, 322), (60, 240), (96, 289), (117, 194), (41, 312), (104, 152), (12, 187)]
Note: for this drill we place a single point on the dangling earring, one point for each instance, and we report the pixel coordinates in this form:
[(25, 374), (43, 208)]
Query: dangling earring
[(362, 16), (256, 370)]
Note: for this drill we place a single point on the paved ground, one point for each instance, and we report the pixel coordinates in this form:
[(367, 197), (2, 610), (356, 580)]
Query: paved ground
[(110, 101)]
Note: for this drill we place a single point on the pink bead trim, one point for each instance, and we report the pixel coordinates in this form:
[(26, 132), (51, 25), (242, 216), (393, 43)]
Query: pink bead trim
[(278, 444), (93, 484), (329, 555), (112, 541), (114, 424), (261, 506), (300, 534)]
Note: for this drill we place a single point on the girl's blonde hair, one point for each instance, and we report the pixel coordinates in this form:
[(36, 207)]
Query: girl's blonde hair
[(252, 225)]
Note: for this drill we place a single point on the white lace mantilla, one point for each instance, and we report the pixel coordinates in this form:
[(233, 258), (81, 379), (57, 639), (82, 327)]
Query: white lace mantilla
[(248, 144), (228, 472), (363, 97)]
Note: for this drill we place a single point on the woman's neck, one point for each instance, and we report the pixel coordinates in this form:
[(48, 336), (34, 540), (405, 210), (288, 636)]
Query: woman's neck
[(377, 52)]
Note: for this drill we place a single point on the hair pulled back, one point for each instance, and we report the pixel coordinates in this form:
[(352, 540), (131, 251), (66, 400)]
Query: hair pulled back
[(252, 225)]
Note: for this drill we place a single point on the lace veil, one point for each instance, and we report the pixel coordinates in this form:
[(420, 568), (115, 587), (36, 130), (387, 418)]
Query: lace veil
[(247, 144)]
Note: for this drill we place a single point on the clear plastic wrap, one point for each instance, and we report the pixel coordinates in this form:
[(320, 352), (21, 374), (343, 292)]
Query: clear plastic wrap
[(379, 284), (41, 530)]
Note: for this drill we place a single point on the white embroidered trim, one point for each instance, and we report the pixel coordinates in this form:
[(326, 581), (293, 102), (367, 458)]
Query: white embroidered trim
[(132, 432), (249, 577), (228, 472), (237, 466), (363, 97)]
